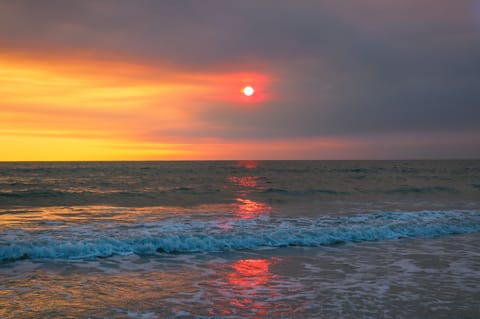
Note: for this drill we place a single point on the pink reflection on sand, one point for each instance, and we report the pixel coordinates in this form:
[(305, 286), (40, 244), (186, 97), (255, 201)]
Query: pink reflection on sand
[(250, 273), (251, 290)]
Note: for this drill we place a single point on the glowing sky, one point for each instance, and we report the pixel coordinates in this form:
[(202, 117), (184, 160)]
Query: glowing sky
[(153, 80)]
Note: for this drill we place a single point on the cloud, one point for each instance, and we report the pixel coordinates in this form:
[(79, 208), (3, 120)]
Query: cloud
[(335, 68)]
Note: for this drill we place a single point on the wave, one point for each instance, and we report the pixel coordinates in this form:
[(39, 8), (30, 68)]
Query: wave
[(182, 235), (421, 190), (311, 191), (356, 170), (33, 193), (405, 190), (45, 192)]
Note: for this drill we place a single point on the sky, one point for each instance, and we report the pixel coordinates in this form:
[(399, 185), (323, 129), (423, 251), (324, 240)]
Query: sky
[(163, 80)]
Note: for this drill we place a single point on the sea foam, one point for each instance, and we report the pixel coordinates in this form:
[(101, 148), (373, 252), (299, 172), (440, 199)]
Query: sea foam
[(187, 235)]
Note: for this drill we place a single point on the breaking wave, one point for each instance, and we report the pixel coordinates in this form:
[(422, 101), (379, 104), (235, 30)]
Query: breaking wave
[(186, 235)]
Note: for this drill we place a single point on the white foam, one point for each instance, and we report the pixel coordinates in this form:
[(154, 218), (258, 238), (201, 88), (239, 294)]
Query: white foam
[(182, 235)]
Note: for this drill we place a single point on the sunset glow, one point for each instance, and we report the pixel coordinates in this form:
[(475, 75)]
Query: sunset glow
[(67, 110), (91, 87)]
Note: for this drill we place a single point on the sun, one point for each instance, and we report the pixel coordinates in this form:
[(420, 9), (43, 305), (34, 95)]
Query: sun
[(248, 91)]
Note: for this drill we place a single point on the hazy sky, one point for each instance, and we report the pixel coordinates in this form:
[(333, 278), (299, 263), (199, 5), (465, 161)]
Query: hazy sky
[(353, 79)]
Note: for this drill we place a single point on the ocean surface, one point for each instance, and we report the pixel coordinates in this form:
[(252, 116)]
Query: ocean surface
[(246, 239)]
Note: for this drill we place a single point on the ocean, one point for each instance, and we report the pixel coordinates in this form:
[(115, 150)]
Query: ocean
[(240, 239)]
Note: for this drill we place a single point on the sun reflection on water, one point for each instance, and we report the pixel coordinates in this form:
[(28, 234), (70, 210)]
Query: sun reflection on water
[(244, 181), (248, 209), (245, 186), (248, 164)]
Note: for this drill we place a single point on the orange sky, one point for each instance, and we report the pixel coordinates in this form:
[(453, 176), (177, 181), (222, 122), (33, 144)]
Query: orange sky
[(87, 109), (98, 109)]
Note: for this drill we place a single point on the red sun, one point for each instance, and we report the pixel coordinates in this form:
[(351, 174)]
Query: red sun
[(248, 91)]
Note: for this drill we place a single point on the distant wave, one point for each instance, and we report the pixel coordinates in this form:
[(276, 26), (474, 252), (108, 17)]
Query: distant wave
[(36, 193), (183, 235), (54, 193), (356, 170), (33, 193), (400, 190), (421, 190), (302, 192)]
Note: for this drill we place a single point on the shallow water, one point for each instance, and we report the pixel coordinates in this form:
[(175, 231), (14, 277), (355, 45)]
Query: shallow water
[(427, 278), (240, 239)]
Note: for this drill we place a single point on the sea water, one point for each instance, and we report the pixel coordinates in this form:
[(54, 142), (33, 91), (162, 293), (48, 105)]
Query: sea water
[(246, 239)]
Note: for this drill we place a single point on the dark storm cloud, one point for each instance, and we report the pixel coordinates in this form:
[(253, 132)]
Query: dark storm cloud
[(343, 67)]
